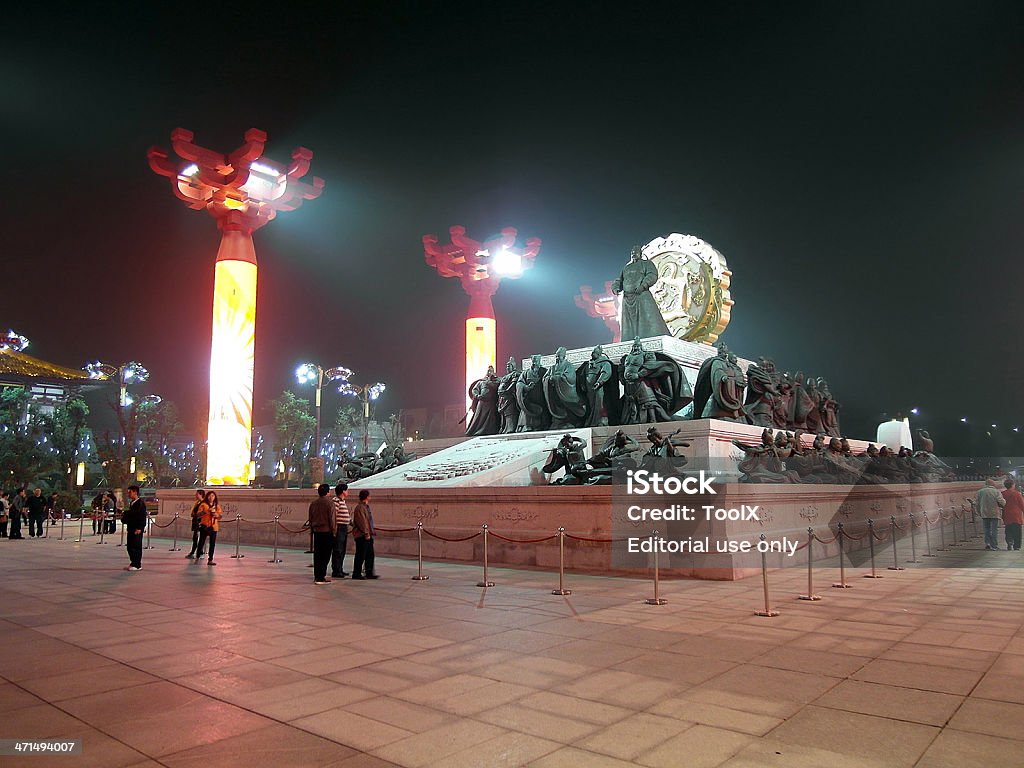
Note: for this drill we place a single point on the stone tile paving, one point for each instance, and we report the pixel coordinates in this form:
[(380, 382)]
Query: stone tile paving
[(248, 663)]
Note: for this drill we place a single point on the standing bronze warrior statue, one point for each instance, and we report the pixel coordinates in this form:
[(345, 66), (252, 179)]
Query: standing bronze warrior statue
[(640, 314)]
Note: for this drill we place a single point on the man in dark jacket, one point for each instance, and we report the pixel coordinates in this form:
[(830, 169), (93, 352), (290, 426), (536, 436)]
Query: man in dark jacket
[(135, 519), (36, 512), (362, 532), (324, 524)]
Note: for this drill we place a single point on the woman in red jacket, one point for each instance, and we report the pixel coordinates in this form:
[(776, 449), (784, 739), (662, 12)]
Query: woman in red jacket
[(1013, 513)]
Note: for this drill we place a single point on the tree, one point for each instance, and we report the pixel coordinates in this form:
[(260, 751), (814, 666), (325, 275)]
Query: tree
[(294, 426), (65, 428), (22, 458), (158, 424), (394, 430)]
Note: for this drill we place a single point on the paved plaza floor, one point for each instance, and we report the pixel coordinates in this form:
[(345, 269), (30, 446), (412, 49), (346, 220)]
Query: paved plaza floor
[(249, 664)]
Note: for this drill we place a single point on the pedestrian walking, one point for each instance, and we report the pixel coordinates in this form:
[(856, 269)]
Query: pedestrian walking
[(363, 532), (1013, 513), (196, 517), (209, 525), (36, 505), (17, 512), (989, 503)]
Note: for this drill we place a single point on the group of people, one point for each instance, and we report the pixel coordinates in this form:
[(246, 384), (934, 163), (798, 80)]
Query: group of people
[(331, 522), (206, 515), (104, 512), (34, 508), (1008, 504)]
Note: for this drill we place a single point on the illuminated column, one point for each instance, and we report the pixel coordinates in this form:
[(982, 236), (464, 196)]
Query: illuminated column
[(480, 268), (242, 191)]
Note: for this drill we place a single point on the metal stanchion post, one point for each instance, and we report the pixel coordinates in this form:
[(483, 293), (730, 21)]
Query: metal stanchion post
[(927, 536), (310, 550), (810, 568), (892, 535), (238, 527), (61, 526), (561, 566), (974, 521), (174, 544), (81, 526), (657, 599), (419, 554), (103, 529), (942, 533), (965, 523), (764, 581), (485, 582), (952, 527), (149, 532), (913, 541), (842, 567), (871, 549), (277, 526)]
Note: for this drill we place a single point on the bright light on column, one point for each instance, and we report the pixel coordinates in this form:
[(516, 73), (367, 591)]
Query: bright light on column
[(231, 372), (508, 263), (480, 349)]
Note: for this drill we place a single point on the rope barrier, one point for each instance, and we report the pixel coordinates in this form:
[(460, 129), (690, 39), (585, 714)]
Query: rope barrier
[(286, 529), (393, 530), (523, 541), (444, 538), (157, 525), (598, 541), (820, 540)]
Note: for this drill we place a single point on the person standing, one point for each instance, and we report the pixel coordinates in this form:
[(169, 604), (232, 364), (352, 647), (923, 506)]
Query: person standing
[(209, 524), (134, 520), (36, 512), (196, 516), (344, 519), (17, 510), (989, 502), (1013, 513), (323, 522), (5, 507), (97, 512), (362, 532)]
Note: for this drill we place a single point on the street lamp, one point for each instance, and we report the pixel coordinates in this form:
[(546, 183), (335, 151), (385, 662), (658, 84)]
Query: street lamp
[(367, 393), (129, 373), (311, 373)]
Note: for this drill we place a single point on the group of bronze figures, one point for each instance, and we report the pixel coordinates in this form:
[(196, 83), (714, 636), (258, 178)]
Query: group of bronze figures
[(784, 458), (616, 456), (654, 389), (360, 465)]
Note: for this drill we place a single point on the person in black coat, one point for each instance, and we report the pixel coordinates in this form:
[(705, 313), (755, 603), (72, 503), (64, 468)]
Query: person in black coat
[(135, 519)]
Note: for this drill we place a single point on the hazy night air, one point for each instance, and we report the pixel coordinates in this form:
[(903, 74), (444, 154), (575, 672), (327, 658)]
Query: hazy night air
[(860, 168)]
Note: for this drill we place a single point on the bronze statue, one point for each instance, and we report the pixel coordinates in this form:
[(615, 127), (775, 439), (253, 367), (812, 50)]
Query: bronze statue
[(800, 404), (566, 406), (761, 395), (533, 411), (508, 408), (828, 408), (596, 380), (763, 463), (616, 452), (484, 393), (569, 455), (719, 390), (654, 387), (813, 416), (640, 314)]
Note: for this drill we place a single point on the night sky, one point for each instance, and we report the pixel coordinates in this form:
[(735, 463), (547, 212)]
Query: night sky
[(860, 166)]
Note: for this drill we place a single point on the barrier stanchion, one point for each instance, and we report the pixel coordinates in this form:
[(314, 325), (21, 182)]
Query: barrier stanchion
[(419, 554), (974, 518), (810, 568), (310, 550), (842, 567), (561, 566), (913, 541), (927, 536), (61, 526), (174, 544), (81, 527), (764, 581), (238, 527), (149, 533), (277, 527), (103, 530), (657, 599), (892, 535), (485, 583), (871, 549), (952, 527), (964, 518), (942, 532)]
